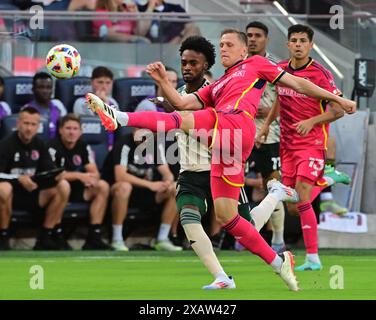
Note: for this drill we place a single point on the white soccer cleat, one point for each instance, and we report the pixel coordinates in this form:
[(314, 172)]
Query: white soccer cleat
[(221, 283), (104, 111), (119, 246), (283, 192), (166, 245), (287, 271)]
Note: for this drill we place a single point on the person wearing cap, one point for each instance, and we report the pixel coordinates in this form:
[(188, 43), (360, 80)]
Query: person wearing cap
[(137, 170)]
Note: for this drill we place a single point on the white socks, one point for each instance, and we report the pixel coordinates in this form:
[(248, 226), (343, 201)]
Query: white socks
[(277, 264), (164, 230), (326, 196), (278, 223), (117, 233), (264, 210), (203, 247), (121, 117), (313, 257)]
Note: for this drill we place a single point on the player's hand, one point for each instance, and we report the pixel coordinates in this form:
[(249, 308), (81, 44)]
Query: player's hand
[(262, 112), (88, 180), (262, 136), (157, 71), (348, 106), (303, 127), (27, 183), (159, 186)]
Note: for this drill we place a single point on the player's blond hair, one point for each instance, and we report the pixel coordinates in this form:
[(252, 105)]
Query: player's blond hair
[(241, 35)]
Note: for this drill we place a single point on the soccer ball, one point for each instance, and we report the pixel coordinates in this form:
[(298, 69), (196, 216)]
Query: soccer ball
[(63, 61)]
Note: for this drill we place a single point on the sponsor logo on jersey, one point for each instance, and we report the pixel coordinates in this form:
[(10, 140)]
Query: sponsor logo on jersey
[(34, 155), (77, 160)]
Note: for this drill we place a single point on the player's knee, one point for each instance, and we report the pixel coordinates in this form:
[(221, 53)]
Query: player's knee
[(104, 188), (190, 214), (121, 190), (6, 190), (63, 189)]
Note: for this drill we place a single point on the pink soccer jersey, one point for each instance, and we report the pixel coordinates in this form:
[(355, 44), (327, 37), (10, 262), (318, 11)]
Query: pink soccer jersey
[(296, 107), (242, 85)]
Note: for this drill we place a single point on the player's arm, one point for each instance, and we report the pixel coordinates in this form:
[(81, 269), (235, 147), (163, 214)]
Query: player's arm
[(306, 87), (264, 131), (188, 102), (121, 174), (334, 113), (166, 173)]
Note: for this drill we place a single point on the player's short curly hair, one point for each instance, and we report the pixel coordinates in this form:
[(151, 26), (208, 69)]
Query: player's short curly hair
[(201, 45)]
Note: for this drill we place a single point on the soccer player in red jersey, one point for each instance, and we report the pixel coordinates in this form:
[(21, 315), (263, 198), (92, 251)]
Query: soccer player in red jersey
[(304, 123), (230, 106)]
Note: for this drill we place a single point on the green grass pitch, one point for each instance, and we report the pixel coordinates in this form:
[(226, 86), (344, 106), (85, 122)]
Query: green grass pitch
[(147, 275)]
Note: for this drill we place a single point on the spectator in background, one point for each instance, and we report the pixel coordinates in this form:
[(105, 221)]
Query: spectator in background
[(79, 5), (167, 31), (23, 154), (209, 76), (2, 26), (155, 103), (102, 80), (152, 183), (52, 109), (122, 30), (4, 107), (68, 151)]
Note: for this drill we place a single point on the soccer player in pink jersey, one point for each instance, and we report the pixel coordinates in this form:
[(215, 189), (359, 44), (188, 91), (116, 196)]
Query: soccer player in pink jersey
[(304, 125), (228, 106)]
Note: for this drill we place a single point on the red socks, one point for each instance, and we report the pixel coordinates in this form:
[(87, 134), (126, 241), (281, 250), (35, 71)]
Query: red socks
[(309, 226), (249, 238), (154, 120)]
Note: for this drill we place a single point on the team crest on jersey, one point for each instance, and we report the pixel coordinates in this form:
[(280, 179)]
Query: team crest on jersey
[(77, 160), (34, 155)]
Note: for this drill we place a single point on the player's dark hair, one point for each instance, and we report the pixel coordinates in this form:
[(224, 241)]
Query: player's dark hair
[(1, 81), (28, 109), (241, 35), (100, 72), (69, 117), (258, 25), (200, 45), (171, 69), (300, 28), (41, 75)]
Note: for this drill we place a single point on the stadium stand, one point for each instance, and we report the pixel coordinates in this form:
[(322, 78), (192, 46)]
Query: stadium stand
[(96, 136), (128, 92), (18, 91), (67, 91)]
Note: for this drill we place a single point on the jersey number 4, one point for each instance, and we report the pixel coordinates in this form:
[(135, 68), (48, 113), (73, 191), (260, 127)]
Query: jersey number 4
[(317, 165)]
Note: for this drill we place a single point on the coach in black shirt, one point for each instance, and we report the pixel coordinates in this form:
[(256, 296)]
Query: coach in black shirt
[(23, 154), (68, 151)]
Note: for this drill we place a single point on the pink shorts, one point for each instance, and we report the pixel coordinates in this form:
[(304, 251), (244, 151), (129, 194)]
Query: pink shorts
[(305, 165), (231, 137)]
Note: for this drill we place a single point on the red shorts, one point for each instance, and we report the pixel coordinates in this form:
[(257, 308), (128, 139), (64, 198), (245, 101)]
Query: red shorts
[(231, 137), (305, 165)]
